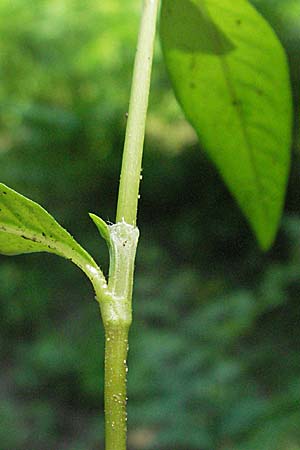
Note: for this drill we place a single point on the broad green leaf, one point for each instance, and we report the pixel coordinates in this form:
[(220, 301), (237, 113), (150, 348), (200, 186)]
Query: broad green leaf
[(230, 75), (25, 227)]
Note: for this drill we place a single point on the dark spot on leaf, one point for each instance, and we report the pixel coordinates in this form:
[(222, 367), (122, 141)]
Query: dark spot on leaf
[(43, 234), (238, 22), (4, 192), (25, 237)]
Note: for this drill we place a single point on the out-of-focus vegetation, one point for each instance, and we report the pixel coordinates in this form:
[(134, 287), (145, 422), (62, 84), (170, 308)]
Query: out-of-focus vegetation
[(214, 359)]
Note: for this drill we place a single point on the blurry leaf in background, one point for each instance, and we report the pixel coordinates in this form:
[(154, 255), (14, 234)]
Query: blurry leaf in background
[(221, 60)]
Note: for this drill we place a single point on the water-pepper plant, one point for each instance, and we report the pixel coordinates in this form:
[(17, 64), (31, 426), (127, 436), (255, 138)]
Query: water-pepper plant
[(230, 76)]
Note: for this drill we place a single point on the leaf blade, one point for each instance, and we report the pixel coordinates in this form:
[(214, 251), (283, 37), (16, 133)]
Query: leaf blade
[(26, 227), (226, 89), (102, 227)]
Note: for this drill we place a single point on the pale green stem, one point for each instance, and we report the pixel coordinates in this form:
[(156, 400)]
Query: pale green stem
[(134, 140), (116, 307)]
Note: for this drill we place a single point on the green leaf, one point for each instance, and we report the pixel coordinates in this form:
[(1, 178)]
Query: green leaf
[(230, 75), (102, 226), (25, 227)]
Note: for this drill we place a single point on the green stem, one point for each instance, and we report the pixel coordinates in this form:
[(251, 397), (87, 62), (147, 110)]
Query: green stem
[(134, 140), (116, 347), (115, 306), (123, 237)]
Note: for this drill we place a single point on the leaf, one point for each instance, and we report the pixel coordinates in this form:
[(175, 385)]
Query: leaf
[(230, 75), (102, 226), (25, 227)]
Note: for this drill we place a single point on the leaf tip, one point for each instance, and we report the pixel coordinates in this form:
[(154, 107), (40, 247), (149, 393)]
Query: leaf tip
[(102, 226), (265, 237)]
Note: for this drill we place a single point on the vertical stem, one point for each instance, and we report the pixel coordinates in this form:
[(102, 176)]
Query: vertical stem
[(134, 140), (116, 348), (116, 312)]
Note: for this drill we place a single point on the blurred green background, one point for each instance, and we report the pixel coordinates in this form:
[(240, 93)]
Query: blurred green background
[(215, 346)]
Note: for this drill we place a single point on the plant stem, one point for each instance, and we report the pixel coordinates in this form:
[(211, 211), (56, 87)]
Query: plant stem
[(134, 140), (123, 237), (115, 306), (116, 347)]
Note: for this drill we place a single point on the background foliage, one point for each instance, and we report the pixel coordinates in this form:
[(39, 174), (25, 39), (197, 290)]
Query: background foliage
[(214, 360)]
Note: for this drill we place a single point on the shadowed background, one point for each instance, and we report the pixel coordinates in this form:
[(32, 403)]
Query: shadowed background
[(214, 358)]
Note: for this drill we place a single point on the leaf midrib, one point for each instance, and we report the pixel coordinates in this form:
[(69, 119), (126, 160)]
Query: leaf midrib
[(61, 249), (239, 112)]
